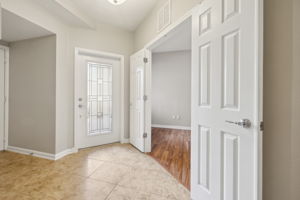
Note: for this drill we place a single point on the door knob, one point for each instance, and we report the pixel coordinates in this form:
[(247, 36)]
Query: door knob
[(80, 106), (245, 123)]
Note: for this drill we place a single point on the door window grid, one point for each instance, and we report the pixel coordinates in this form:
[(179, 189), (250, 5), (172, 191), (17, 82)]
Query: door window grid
[(99, 118)]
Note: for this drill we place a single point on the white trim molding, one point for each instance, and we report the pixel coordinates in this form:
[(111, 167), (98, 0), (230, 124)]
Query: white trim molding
[(30, 152), (6, 85), (161, 16), (40, 154), (171, 127), (65, 153)]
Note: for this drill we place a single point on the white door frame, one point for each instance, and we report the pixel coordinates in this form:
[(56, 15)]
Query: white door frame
[(101, 54), (163, 36), (6, 88)]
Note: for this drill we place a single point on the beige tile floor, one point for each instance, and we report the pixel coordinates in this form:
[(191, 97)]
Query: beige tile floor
[(110, 172)]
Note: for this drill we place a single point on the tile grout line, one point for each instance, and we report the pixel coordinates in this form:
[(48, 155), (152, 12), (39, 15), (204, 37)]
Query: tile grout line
[(95, 170), (98, 180), (111, 192)]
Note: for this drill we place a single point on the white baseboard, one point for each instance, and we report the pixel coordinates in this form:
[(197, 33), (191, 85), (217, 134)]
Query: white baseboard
[(31, 152), (65, 153), (171, 127), (40, 154), (125, 141)]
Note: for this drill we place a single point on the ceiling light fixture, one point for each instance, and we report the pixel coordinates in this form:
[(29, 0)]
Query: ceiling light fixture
[(117, 2)]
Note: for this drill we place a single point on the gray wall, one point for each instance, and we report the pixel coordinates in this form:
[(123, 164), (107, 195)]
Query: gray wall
[(171, 88), (103, 38), (281, 100), (295, 171), (32, 94)]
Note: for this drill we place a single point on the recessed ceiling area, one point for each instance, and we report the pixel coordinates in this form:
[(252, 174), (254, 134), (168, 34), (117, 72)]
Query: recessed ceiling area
[(15, 28), (127, 15), (179, 39), (66, 12)]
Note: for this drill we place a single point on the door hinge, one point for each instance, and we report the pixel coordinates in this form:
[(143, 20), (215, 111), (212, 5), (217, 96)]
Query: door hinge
[(145, 60), (262, 126), (145, 97), (145, 135)]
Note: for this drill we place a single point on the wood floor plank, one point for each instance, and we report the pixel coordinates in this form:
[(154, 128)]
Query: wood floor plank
[(172, 148)]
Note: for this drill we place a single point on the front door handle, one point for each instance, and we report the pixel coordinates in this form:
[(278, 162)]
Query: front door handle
[(245, 123)]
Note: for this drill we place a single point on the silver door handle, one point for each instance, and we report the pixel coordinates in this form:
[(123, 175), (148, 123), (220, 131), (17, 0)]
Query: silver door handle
[(80, 106), (245, 123)]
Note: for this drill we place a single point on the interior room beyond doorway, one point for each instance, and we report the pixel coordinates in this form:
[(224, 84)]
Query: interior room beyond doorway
[(171, 102)]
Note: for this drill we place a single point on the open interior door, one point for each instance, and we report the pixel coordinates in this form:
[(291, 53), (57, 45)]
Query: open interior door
[(138, 133), (226, 101)]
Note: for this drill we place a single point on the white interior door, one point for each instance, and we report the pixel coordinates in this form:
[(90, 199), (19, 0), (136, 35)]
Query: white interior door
[(2, 98), (137, 104), (226, 90), (97, 101)]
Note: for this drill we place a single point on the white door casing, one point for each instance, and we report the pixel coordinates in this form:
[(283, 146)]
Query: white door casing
[(148, 107), (98, 113), (137, 101), (2, 98), (226, 88)]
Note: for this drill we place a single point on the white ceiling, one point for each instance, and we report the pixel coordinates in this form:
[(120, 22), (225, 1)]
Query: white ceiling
[(178, 40), (16, 28), (128, 15), (64, 10)]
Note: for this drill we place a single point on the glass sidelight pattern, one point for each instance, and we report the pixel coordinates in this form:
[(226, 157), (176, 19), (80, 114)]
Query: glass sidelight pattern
[(99, 120)]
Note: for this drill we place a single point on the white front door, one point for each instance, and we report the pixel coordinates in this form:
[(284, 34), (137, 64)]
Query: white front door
[(225, 91), (137, 106), (97, 101), (2, 98)]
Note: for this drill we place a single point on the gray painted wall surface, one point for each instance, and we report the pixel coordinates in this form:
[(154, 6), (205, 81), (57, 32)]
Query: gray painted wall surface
[(32, 94), (171, 88)]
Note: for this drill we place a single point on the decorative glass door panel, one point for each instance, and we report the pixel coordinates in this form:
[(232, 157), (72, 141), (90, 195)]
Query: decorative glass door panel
[(97, 100), (99, 96)]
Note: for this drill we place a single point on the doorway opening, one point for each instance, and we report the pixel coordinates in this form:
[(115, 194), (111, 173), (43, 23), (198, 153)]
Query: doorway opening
[(226, 98), (171, 102)]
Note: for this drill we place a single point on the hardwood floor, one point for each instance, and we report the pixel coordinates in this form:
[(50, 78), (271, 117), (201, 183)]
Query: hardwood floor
[(172, 148)]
